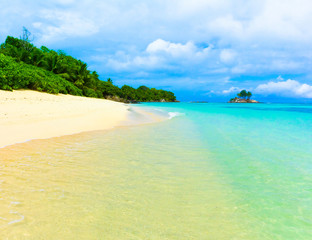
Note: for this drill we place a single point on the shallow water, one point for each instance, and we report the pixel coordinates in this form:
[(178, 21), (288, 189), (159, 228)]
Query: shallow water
[(213, 171)]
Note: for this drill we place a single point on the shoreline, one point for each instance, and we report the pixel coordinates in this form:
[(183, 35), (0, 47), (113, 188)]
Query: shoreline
[(28, 115)]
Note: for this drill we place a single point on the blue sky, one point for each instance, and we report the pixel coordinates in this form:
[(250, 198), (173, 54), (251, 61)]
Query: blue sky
[(200, 49)]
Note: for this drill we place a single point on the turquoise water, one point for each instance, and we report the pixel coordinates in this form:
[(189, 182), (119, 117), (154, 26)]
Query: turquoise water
[(213, 171), (263, 154)]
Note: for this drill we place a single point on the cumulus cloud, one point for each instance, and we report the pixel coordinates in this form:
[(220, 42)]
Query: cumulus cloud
[(173, 49), (266, 22), (161, 54), (182, 39), (182, 20), (177, 50), (231, 90), (289, 88), (227, 55), (61, 24)]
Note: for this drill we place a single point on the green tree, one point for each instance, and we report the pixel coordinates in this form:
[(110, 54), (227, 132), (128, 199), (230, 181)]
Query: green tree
[(24, 66), (249, 94), (128, 93), (51, 62), (243, 93), (37, 58)]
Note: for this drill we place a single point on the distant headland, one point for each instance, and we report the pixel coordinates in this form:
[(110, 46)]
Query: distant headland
[(24, 66), (243, 97)]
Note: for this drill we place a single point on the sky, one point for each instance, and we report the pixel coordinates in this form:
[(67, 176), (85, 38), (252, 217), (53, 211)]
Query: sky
[(199, 49)]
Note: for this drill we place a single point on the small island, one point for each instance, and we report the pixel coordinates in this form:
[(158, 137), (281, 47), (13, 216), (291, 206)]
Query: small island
[(243, 97)]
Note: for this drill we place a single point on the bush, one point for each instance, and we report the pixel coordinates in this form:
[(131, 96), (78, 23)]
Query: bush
[(24, 66), (15, 76)]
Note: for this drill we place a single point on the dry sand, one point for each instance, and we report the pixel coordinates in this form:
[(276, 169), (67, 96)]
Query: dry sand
[(26, 115)]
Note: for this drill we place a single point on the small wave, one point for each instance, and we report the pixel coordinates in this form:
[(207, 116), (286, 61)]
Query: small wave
[(17, 220), (15, 143), (159, 109), (175, 114)]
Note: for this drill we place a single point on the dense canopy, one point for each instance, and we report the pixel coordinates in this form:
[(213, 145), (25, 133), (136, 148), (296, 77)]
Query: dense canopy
[(24, 66)]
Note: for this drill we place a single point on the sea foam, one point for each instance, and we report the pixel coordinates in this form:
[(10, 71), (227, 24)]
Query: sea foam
[(175, 114)]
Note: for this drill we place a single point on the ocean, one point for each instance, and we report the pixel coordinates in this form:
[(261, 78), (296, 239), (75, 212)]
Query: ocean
[(209, 171)]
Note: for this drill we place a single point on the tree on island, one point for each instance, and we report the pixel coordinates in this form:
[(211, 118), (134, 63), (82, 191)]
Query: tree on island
[(249, 94), (242, 94), (243, 97)]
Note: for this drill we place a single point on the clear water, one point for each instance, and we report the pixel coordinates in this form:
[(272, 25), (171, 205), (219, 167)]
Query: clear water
[(213, 171)]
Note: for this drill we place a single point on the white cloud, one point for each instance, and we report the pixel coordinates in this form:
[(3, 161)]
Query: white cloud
[(161, 54), (284, 20), (244, 68), (173, 49), (177, 50), (141, 62), (231, 90), (61, 24), (227, 55), (289, 88), (227, 25), (265, 22), (238, 21), (280, 78), (244, 38)]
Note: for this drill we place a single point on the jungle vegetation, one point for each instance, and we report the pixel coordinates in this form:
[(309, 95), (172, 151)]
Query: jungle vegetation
[(24, 66)]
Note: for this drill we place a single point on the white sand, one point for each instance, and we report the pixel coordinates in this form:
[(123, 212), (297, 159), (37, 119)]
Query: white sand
[(26, 115)]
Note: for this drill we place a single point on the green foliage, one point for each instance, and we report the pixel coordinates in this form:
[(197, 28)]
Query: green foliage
[(14, 75), (24, 66), (128, 93), (145, 94), (249, 94), (244, 94)]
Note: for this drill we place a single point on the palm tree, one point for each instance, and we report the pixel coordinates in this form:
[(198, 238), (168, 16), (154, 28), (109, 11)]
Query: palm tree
[(82, 74), (249, 94), (18, 53), (37, 58), (243, 94), (51, 62)]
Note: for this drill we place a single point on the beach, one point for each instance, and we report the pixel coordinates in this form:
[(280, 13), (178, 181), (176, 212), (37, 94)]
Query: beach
[(205, 173), (27, 115)]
